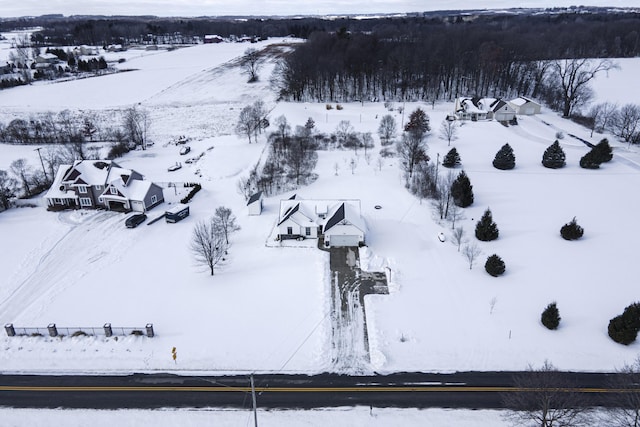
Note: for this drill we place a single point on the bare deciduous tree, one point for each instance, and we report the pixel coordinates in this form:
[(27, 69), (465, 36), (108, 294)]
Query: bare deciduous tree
[(545, 398), (208, 244), (251, 64), (449, 131), (367, 141), (23, 172), (412, 150), (245, 124), (455, 213), (8, 186), (603, 116), (626, 410), (225, 221), (387, 129), (244, 187), (136, 126), (627, 123), (344, 131), (471, 252), (443, 200), (573, 77), (252, 120), (457, 237)]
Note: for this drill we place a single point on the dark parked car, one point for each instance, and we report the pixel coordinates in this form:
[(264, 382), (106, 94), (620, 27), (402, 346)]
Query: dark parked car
[(135, 220)]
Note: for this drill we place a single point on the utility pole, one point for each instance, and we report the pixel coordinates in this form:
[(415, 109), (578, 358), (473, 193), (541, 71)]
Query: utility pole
[(253, 398), (437, 163), (42, 163)]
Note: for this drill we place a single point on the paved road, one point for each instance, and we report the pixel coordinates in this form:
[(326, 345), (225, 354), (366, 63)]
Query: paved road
[(415, 390)]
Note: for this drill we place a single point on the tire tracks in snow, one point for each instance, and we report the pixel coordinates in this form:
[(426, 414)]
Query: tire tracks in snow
[(85, 247)]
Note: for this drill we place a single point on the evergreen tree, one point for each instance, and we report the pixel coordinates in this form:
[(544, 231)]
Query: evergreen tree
[(602, 151), (590, 161), (495, 266), (462, 191), (554, 157), (551, 317), (451, 159), (571, 230), (418, 123), (505, 159), (631, 316), (624, 328), (486, 229)]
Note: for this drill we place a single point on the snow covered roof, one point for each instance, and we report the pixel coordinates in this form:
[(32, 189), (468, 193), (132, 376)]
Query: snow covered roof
[(471, 105), (305, 212), (344, 213), (90, 172), (136, 189), (57, 189), (296, 212), (499, 104), (116, 173), (521, 100), (254, 198), (48, 56)]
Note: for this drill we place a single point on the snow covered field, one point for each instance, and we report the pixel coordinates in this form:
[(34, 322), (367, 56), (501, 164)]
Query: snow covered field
[(267, 308)]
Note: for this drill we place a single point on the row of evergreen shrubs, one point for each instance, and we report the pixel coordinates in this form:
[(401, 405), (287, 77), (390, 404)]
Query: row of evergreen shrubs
[(553, 157), (623, 329), (195, 187), (487, 230)]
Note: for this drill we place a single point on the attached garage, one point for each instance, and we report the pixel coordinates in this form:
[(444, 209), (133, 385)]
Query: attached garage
[(137, 205), (344, 227), (341, 240)]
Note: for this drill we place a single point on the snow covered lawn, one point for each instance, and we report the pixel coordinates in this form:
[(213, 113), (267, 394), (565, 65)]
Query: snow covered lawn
[(267, 307)]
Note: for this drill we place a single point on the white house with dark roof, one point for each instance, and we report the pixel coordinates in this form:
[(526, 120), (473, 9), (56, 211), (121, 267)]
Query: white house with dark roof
[(525, 106), (502, 111), (298, 220), (472, 109), (338, 222), (92, 184)]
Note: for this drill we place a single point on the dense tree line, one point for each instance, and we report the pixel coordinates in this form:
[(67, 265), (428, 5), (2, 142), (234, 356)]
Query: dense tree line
[(586, 31), (67, 127), (430, 59)]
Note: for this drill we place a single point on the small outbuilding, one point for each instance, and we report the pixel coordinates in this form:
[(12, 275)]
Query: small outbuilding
[(177, 213), (254, 205)]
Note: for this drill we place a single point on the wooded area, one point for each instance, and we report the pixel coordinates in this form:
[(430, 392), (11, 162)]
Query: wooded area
[(429, 60)]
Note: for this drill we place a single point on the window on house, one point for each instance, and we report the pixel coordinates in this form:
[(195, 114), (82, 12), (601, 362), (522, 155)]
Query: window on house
[(98, 187), (113, 190), (100, 200), (289, 230), (307, 231), (154, 198), (85, 201), (82, 188)]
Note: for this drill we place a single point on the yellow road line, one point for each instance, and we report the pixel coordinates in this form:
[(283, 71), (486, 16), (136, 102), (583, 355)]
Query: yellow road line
[(374, 389)]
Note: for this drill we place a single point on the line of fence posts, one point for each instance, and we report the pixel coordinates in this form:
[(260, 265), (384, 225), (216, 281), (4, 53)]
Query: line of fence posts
[(53, 331)]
